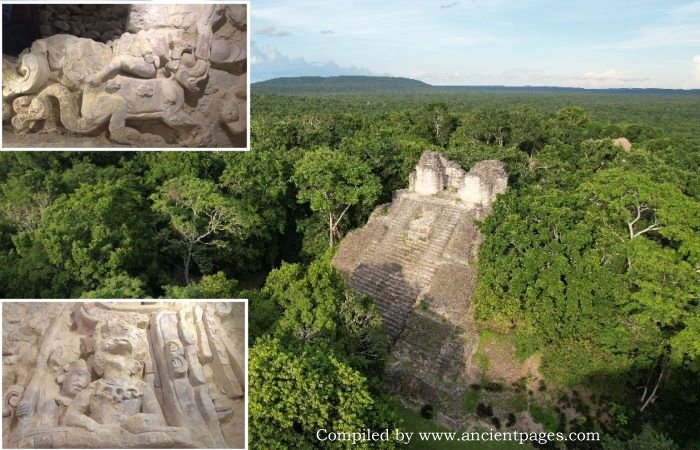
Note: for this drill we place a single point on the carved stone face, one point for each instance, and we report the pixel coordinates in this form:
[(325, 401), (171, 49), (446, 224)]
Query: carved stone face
[(75, 379), (120, 350), (113, 355)]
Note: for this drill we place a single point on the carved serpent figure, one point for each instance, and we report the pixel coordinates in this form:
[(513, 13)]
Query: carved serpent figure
[(181, 79), (114, 102)]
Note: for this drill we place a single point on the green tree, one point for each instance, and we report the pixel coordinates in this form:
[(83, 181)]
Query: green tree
[(491, 127), (200, 215), (119, 286), (260, 181), (439, 122), (209, 286), (309, 299), (295, 393), (569, 124), (647, 439), (332, 182), (98, 232), (659, 229), (164, 166), (23, 205), (315, 305), (389, 149)]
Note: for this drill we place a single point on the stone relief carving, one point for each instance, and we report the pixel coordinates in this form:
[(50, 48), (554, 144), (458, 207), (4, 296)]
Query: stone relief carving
[(177, 77), (124, 375)]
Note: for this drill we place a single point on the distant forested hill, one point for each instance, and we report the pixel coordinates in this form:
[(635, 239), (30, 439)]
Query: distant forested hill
[(340, 85), (370, 84)]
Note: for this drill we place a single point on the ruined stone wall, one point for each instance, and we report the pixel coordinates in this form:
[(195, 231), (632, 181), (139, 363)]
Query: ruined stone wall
[(478, 187), (123, 375), (99, 22)]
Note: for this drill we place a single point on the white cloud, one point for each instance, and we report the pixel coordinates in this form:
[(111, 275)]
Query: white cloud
[(676, 27), (696, 68), (267, 62), (263, 54), (271, 31), (606, 78), (449, 5), (613, 78), (477, 41), (365, 21), (689, 9)]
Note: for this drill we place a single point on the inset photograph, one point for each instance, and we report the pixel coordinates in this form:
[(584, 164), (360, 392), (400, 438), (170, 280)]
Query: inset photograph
[(110, 374), (114, 76)]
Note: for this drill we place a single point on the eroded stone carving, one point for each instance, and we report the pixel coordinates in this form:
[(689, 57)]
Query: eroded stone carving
[(124, 375), (178, 77)]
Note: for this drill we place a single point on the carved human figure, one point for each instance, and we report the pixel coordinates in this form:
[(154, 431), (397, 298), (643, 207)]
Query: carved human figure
[(74, 377), (140, 54), (120, 399)]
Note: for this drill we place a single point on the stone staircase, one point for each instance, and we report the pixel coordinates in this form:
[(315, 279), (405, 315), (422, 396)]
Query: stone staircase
[(393, 295), (401, 265)]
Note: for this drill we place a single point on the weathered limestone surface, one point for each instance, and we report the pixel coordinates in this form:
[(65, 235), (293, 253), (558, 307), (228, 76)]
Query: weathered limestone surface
[(478, 187), (123, 375), (176, 78), (416, 257)]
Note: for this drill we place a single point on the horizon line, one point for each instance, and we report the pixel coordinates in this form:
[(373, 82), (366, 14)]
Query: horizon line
[(481, 85)]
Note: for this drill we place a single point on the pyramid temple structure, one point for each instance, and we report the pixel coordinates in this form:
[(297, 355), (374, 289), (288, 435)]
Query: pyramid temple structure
[(416, 258)]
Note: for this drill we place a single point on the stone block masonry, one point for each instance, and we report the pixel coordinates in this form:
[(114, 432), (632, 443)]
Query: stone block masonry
[(478, 187), (98, 22)]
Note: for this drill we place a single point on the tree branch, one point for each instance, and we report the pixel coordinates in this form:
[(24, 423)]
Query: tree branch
[(335, 225), (653, 227), (652, 396), (640, 208)]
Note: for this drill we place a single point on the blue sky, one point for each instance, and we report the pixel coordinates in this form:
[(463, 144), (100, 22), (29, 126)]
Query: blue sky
[(593, 43)]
